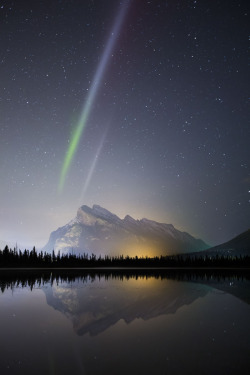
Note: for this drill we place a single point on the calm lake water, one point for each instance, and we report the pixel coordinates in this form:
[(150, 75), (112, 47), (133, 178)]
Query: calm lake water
[(124, 323)]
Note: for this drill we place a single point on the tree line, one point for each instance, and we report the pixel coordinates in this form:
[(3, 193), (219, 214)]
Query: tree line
[(33, 259)]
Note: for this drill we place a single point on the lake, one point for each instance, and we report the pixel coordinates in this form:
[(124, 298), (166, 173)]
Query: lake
[(124, 322)]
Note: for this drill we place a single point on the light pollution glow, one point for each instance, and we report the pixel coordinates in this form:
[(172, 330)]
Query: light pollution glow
[(76, 136)]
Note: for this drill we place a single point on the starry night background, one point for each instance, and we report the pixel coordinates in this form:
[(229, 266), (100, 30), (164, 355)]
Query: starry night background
[(166, 136)]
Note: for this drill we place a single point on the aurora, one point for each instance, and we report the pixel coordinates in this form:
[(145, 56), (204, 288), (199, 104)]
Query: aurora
[(77, 133)]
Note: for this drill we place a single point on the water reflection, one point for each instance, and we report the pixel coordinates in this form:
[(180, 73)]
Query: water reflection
[(10, 278), (137, 322), (94, 308)]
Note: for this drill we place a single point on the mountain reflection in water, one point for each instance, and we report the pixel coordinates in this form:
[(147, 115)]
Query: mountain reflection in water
[(83, 297), (93, 308), (137, 322)]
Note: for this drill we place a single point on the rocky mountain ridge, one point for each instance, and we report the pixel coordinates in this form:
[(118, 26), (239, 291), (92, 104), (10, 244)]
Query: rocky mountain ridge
[(98, 231)]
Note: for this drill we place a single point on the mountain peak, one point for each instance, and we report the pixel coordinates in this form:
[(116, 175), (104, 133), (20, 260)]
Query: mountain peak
[(97, 230), (129, 218)]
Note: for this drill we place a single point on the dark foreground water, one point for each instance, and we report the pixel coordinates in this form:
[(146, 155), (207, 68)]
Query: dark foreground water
[(124, 323)]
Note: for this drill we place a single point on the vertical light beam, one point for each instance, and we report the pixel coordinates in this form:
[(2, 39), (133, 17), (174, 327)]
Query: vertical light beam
[(76, 136), (92, 168)]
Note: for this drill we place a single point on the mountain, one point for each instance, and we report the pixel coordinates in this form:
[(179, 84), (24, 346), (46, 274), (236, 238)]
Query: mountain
[(238, 246), (98, 231)]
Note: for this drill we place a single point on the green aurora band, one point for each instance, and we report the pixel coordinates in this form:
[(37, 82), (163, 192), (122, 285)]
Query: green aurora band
[(73, 144), (76, 136)]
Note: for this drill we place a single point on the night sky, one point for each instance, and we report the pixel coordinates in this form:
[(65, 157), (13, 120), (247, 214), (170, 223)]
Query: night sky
[(138, 106)]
